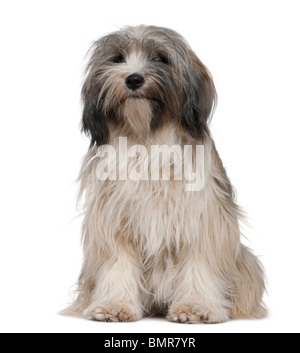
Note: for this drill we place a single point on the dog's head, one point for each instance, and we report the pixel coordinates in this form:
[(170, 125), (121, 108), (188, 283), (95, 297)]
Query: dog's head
[(141, 76)]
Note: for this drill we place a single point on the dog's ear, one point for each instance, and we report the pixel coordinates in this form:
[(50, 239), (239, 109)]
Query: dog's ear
[(199, 101), (93, 120)]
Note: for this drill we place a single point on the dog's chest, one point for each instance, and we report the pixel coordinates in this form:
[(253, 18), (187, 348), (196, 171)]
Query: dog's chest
[(158, 213)]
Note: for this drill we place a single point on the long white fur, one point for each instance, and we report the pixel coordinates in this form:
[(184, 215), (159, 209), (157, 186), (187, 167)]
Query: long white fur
[(153, 244)]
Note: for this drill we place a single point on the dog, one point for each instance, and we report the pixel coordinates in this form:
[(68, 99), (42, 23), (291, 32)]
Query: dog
[(150, 246)]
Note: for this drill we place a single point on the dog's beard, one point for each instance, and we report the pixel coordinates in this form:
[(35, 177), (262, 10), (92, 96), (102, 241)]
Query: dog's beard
[(137, 112)]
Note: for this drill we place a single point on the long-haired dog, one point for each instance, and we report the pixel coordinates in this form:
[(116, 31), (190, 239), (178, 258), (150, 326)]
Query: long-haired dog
[(150, 246)]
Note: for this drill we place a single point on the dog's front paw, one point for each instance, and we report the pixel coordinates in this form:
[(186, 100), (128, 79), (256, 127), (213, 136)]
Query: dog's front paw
[(113, 313), (196, 314)]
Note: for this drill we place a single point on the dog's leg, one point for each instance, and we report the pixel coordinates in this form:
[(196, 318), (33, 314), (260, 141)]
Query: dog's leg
[(199, 294), (249, 287), (117, 290)]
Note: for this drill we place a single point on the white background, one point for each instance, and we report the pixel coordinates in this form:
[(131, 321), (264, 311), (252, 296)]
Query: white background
[(252, 50)]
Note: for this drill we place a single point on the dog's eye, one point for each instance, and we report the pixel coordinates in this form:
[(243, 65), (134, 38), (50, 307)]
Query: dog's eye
[(119, 59), (159, 58)]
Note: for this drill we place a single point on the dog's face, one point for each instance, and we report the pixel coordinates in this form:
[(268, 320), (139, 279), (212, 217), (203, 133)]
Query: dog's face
[(141, 77)]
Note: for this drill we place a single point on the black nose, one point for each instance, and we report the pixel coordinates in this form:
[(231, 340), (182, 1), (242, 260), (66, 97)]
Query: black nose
[(134, 81)]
